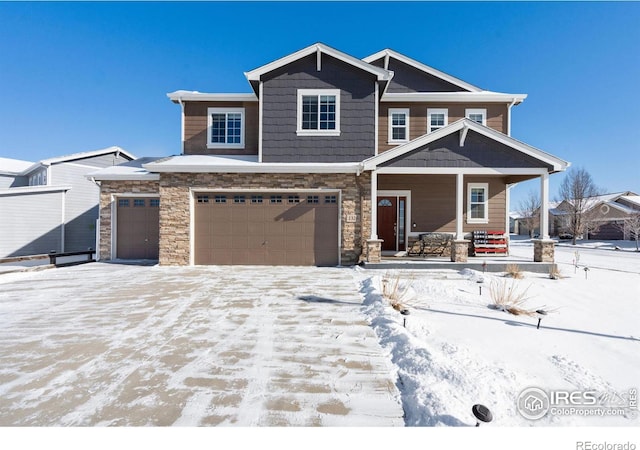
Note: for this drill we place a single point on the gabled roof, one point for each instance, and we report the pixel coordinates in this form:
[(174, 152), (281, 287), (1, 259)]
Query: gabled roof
[(76, 156), (9, 166), (388, 53), (319, 48), (463, 125), (131, 170)]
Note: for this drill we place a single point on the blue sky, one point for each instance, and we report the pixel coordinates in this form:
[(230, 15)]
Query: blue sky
[(83, 76)]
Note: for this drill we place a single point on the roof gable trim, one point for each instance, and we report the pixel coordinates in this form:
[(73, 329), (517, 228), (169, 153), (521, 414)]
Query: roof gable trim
[(318, 48), (388, 53)]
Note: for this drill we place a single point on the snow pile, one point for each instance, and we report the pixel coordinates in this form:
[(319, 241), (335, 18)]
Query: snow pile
[(457, 351)]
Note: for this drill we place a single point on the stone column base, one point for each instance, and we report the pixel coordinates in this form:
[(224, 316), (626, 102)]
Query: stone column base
[(459, 250), (543, 250), (374, 250)]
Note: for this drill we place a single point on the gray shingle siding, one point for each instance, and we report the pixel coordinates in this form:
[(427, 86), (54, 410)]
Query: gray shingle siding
[(357, 113), (409, 79), (478, 151)]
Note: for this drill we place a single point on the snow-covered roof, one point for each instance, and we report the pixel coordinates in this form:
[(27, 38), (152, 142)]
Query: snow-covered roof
[(76, 156), (11, 166), (181, 95), (480, 96), (635, 199), (243, 164), (131, 170)]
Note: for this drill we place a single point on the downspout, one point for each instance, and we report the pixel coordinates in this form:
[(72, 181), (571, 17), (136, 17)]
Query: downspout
[(97, 249), (181, 121), (509, 116)]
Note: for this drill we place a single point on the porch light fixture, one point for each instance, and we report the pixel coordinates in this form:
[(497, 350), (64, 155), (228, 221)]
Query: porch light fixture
[(405, 313), (480, 281), (482, 413)]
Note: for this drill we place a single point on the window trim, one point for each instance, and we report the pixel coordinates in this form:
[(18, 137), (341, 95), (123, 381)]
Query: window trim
[(406, 112), (431, 111), (218, 110), (470, 187), (483, 111), (317, 92)]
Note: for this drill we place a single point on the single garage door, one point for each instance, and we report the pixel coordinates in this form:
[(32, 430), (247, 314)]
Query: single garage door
[(266, 228), (138, 228)]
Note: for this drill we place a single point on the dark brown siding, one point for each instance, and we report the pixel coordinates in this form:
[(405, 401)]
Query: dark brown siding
[(195, 128), (496, 118), (433, 201)]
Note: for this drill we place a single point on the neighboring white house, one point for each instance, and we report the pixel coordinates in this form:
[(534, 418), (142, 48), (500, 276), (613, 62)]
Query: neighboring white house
[(50, 205)]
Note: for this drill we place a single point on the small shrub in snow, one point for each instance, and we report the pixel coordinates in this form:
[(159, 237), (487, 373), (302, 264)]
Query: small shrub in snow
[(513, 271), (511, 298), (395, 290), (554, 273)]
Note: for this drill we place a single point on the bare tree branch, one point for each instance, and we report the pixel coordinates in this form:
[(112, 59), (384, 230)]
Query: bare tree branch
[(576, 192), (529, 210)]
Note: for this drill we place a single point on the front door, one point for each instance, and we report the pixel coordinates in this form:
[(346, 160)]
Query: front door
[(391, 222)]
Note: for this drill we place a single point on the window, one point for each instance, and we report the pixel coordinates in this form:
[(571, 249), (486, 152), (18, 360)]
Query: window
[(276, 199), (477, 115), (138, 203), (436, 119), (203, 199), (256, 199), (123, 202), (154, 202), (318, 112), (312, 199), (294, 199), (398, 125), (238, 199), (225, 128), (221, 199), (478, 203), (330, 199)]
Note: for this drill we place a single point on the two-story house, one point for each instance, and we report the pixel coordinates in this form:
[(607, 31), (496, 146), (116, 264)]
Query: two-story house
[(329, 160)]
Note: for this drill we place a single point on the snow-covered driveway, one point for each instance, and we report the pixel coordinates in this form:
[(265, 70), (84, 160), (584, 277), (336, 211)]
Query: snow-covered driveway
[(109, 344)]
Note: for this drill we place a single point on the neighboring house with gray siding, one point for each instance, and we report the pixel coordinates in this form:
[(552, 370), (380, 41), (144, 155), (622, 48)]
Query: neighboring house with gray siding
[(330, 159), (51, 205)]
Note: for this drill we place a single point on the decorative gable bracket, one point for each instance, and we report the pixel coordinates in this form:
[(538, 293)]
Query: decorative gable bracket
[(463, 134)]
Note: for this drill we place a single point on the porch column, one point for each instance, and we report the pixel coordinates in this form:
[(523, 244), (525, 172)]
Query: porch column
[(374, 205), (459, 206), (544, 206)]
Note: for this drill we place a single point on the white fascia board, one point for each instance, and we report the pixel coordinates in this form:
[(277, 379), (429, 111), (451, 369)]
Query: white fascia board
[(178, 96), (256, 168), (557, 163), (124, 177), (423, 67), (454, 97), (461, 170), (33, 190), (381, 74)]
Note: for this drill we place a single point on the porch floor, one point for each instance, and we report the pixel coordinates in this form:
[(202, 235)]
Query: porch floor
[(490, 263)]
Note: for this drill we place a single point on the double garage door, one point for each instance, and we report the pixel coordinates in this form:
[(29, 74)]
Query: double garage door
[(290, 228)]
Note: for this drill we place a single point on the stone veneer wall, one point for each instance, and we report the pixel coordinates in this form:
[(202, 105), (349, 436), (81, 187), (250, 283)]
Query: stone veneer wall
[(175, 215), (107, 189)]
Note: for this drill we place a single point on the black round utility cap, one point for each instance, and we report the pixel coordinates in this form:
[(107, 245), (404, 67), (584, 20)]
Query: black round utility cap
[(482, 413), (542, 312), (404, 312)]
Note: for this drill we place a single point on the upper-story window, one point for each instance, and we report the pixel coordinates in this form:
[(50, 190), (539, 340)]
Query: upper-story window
[(478, 203), (437, 118), (38, 179), (398, 125), (477, 115), (225, 128), (318, 112)]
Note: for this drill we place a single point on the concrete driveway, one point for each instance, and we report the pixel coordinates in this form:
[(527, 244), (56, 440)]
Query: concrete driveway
[(126, 345)]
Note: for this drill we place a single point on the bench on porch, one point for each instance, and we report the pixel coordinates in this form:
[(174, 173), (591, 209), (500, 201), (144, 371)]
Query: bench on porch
[(430, 244)]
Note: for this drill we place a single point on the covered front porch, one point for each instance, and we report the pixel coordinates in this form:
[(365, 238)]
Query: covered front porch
[(445, 195)]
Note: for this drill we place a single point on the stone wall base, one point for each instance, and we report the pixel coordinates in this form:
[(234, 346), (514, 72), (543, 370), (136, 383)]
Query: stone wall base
[(543, 250), (460, 250), (374, 250)]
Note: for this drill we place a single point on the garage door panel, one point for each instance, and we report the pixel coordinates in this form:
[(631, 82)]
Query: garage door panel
[(137, 228), (279, 233)]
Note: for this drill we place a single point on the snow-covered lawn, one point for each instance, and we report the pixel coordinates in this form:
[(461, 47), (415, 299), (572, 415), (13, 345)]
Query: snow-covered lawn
[(110, 344), (456, 351)]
